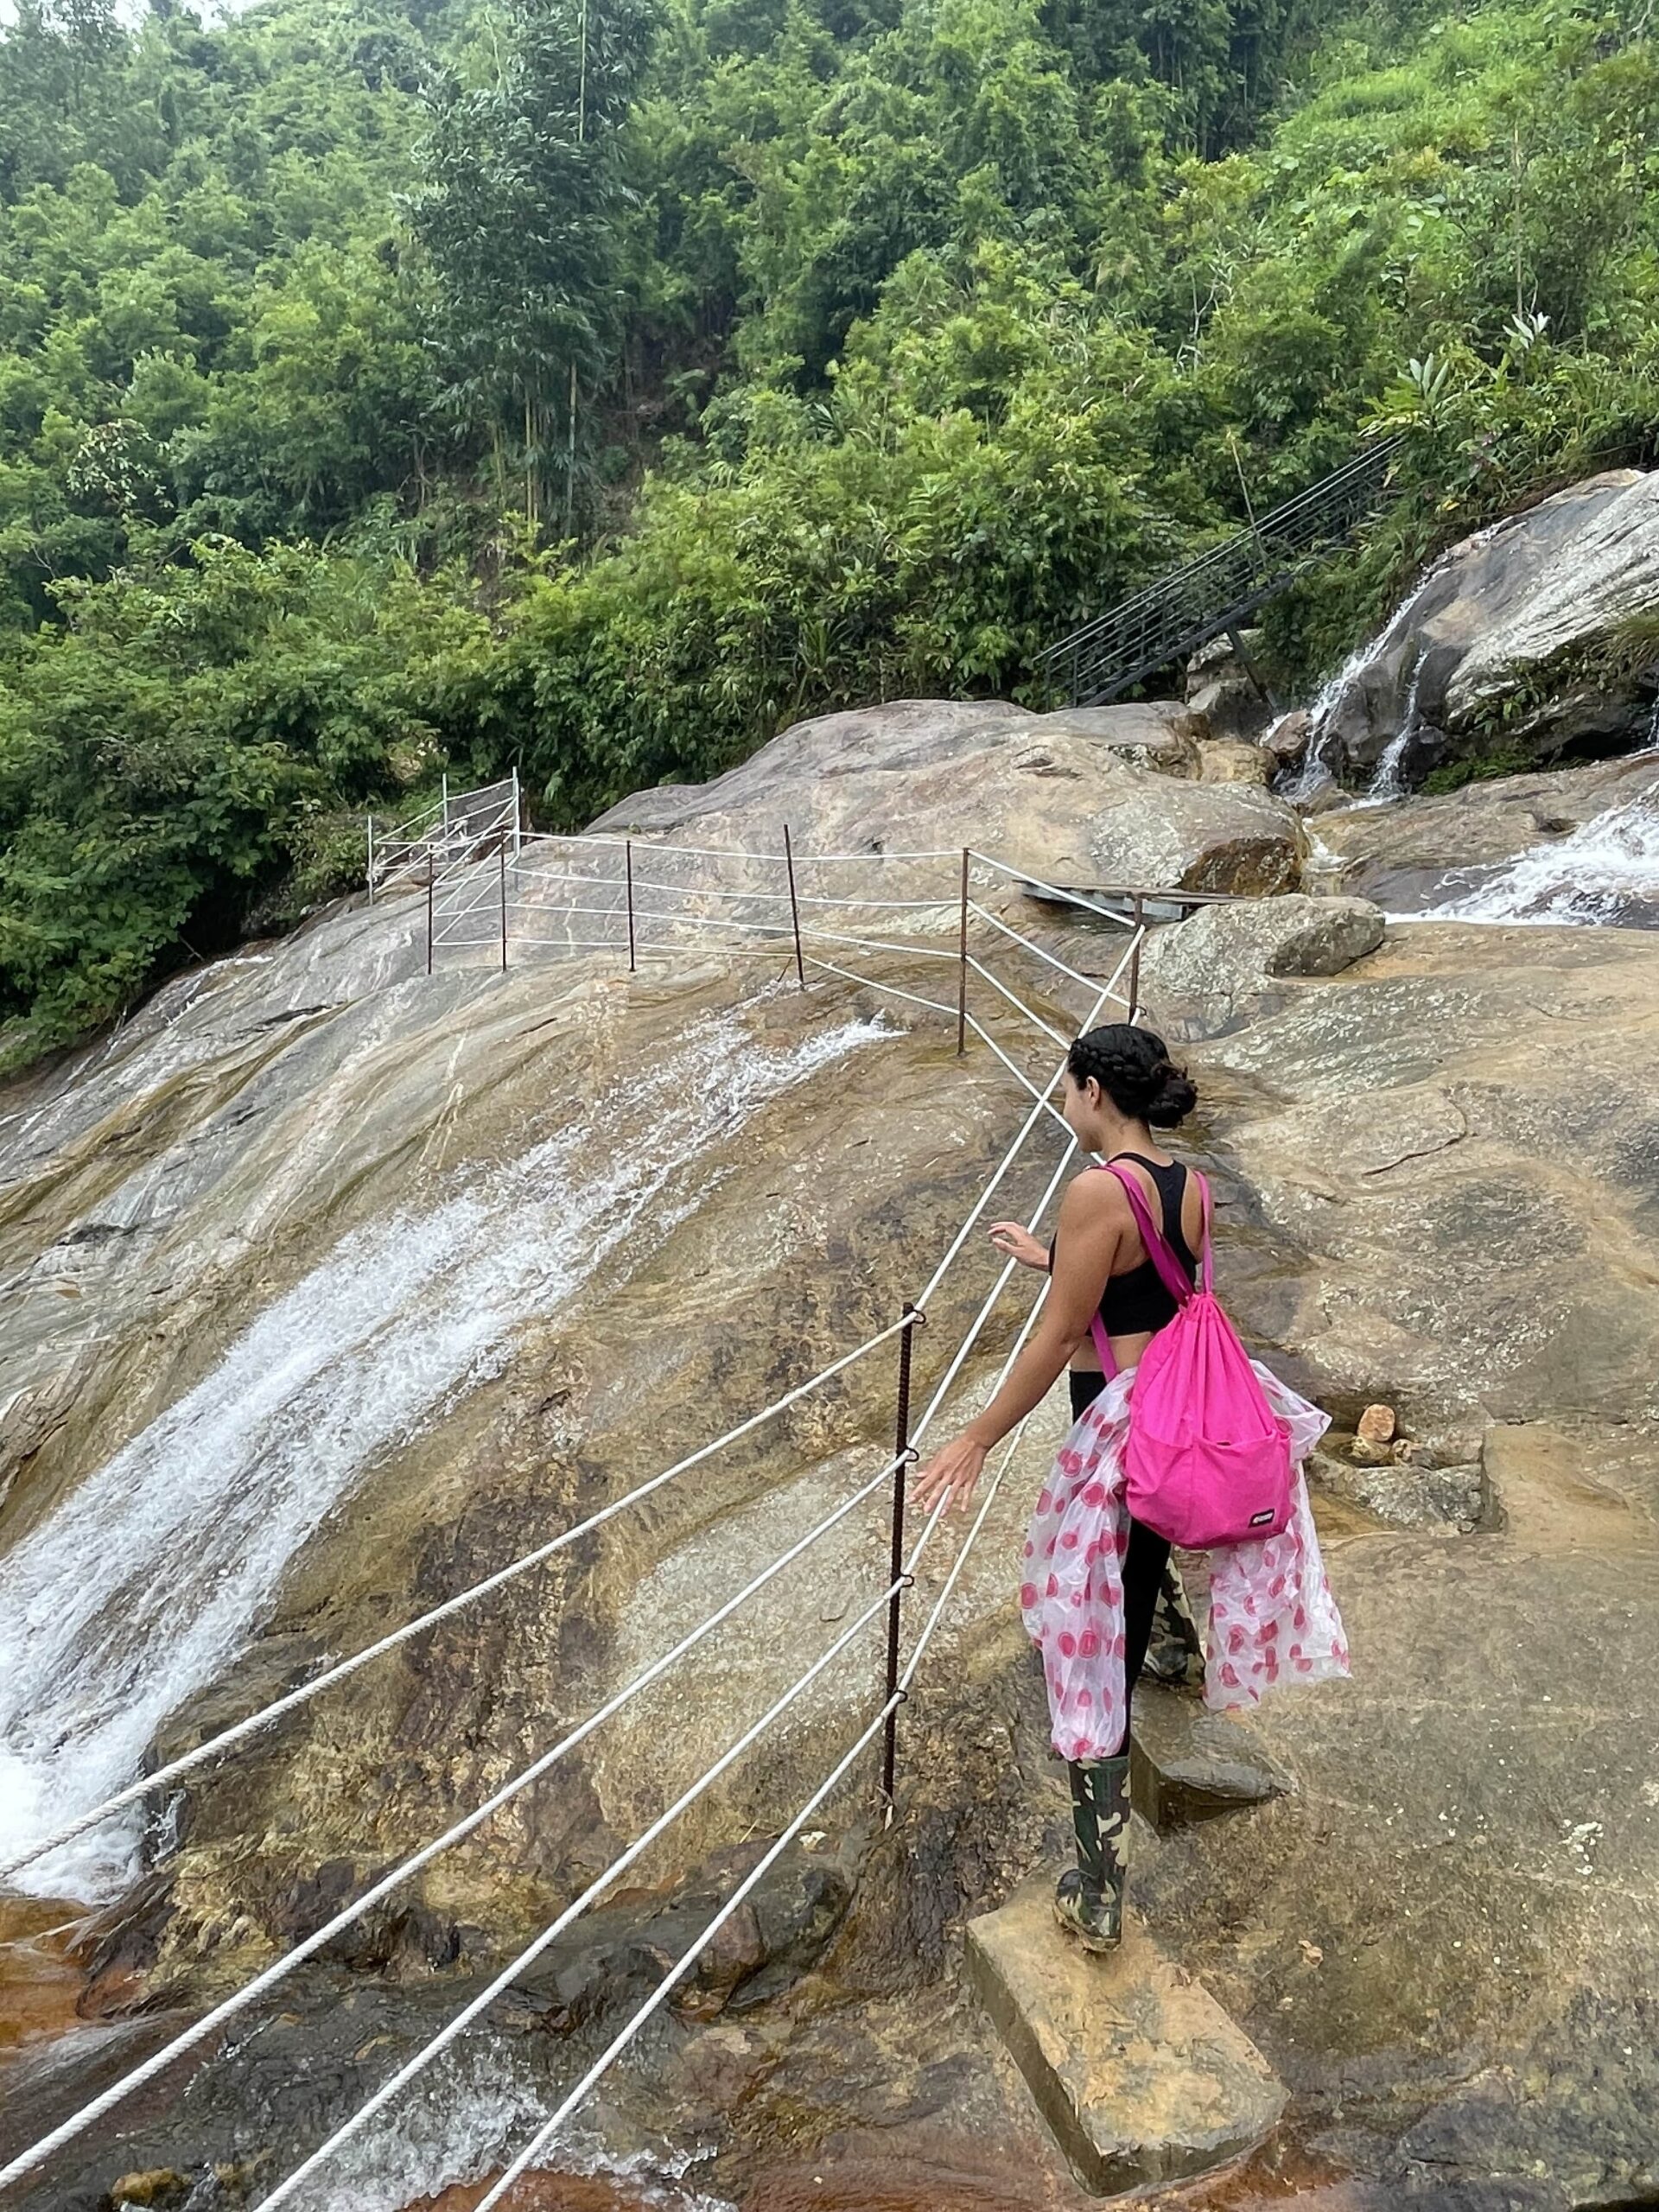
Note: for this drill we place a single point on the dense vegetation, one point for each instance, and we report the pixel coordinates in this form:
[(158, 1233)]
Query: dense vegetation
[(595, 384)]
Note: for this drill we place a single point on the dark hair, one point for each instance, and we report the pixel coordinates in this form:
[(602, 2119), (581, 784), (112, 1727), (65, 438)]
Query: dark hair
[(1134, 1069)]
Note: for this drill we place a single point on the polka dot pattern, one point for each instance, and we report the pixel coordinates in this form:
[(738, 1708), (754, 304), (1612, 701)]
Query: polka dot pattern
[(1272, 1617)]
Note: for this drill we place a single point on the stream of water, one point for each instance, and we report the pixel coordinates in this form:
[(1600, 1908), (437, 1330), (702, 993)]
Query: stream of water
[(1604, 872), (149, 1577)]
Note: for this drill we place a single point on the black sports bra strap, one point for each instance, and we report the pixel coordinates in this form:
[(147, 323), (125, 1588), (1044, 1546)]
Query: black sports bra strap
[(1160, 1171)]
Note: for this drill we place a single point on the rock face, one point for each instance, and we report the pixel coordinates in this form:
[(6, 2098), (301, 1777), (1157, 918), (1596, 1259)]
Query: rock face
[(1060, 791), (1152, 733), (1408, 1493), (1232, 761), (1415, 855), (1226, 691), (1468, 1169), (1225, 964), (409, 1273), (1501, 631), (1453, 1829)]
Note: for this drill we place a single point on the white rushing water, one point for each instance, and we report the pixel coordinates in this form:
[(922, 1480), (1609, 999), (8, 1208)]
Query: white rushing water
[(463, 2125), (1318, 769), (148, 1579), (1606, 871)]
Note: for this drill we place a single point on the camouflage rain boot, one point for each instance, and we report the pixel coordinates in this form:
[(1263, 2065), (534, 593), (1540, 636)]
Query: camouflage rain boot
[(1088, 1896), (1175, 1653)]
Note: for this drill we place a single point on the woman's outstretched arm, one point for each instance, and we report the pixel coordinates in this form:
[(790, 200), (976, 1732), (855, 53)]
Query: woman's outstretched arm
[(1094, 1215)]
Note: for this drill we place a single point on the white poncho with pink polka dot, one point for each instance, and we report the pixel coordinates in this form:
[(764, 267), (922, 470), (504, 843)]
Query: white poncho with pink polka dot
[(1272, 1617)]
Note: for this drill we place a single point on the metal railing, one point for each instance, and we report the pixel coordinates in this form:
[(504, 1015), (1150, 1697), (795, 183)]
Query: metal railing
[(1173, 616), (494, 890), (454, 827), (458, 828)]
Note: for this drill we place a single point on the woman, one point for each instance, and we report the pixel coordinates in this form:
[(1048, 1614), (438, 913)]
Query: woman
[(1119, 1085)]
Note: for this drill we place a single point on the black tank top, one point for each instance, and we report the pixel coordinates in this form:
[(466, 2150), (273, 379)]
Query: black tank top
[(1138, 1301)]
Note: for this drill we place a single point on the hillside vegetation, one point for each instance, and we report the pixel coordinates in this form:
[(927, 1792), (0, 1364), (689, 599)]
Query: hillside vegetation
[(594, 388)]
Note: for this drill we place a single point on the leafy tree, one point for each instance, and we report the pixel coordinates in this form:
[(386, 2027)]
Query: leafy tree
[(517, 214)]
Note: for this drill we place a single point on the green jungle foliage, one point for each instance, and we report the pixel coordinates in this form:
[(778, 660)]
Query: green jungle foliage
[(594, 385)]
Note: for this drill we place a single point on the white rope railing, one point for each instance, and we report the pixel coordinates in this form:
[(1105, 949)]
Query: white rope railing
[(1066, 897), (946, 900), (420, 2060), (937, 1006), (644, 842), (549, 2127), (596, 1888), (1030, 944), (227, 1738), (1018, 1003), (230, 2007), (545, 2133), (148, 1785), (175, 1769)]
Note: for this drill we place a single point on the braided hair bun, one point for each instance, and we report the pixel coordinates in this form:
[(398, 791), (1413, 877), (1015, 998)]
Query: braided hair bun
[(1134, 1069)]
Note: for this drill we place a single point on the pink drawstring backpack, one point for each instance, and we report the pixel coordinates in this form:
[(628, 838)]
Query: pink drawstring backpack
[(1207, 1461)]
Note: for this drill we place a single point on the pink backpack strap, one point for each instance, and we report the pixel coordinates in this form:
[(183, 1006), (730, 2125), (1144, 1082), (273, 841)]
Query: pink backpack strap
[(1160, 1251)]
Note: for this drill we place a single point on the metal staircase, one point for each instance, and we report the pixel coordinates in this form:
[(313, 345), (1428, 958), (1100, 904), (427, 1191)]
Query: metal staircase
[(1171, 619)]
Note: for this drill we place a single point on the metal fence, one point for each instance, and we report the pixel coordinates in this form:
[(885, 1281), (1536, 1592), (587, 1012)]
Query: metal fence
[(1183, 610), (496, 893), (453, 828)]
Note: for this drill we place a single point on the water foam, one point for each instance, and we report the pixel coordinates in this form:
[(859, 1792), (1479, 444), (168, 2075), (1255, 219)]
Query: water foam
[(148, 1579), (463, 2123), (1606, 871)]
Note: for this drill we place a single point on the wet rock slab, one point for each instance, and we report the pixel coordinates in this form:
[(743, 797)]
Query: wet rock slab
[(1138, 2071), (1189, 1764)]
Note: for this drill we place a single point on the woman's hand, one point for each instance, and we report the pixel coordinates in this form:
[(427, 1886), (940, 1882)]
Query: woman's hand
[(953, 1471), (1018, 1243)]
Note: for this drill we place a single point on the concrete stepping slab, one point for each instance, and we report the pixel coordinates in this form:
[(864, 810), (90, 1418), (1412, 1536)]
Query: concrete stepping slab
[(1140, 2075)]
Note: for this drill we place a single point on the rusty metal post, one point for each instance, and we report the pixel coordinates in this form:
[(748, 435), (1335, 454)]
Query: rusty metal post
[(502, 850), (429, 913), (795, 918), (628, 860), (1137, 923), (962, 971), (903, 1455)]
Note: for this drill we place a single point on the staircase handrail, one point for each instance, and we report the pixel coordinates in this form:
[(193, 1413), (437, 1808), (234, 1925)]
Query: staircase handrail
[(1362, 467)]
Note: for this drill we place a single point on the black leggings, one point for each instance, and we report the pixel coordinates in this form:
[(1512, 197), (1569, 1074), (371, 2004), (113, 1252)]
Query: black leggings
[(1143, 1566)]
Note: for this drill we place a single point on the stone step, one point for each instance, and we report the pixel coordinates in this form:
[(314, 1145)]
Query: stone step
[(1140, 2075), (1188, 1764)]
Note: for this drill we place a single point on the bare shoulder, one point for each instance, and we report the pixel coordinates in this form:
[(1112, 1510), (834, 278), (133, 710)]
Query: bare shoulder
[(1093, 1200)]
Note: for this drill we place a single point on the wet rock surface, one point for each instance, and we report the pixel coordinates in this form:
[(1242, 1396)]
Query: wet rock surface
[(1152, 733), (1417, 853), (1455, 1911), (280, 2082), (1227, 964), (1045, 793), (1140, 2075), (1437, 1177), (1502, 621), (1188, 1763), (1409, 1495)]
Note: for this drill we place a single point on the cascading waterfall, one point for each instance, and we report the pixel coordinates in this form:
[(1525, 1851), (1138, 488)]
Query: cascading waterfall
[(1389, 783), (1606, 871), (139, 1588), (1317, 769)]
